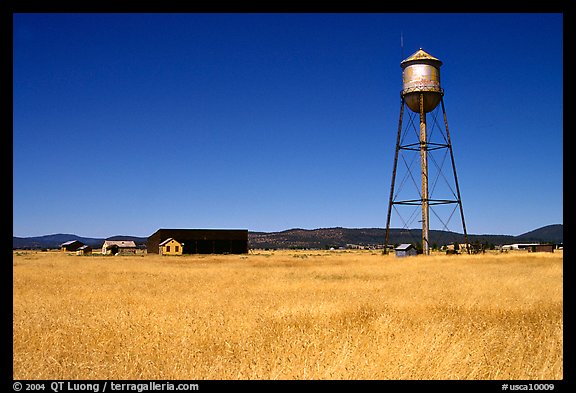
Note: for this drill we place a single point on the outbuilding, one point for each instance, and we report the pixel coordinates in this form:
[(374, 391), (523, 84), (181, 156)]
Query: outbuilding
[(84, 250), (71, 245), (405, 250), (119, 247), (170, 246), (519, 246), (541, 248)]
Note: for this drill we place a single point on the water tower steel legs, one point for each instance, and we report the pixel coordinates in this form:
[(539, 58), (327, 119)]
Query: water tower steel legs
[(424, 200), (424, 166)]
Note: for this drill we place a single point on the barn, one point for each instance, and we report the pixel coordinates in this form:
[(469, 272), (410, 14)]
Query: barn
[(541, 248), (530, 247), (202, 241), (72, 245), (119, 247), (405, 250)]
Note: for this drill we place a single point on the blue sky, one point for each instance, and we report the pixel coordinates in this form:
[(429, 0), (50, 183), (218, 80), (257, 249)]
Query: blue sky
[(126, 123)]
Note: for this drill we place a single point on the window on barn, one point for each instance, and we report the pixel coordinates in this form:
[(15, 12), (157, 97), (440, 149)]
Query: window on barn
[(167, 248), (177, 248)]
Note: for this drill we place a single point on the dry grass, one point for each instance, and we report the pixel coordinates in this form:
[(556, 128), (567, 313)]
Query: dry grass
[(288, 315)]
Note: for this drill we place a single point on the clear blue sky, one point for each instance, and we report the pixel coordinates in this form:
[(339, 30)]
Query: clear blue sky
[(126, 123)]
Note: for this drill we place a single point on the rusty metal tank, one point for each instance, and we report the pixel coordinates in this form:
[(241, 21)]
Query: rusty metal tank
[(421, 75)]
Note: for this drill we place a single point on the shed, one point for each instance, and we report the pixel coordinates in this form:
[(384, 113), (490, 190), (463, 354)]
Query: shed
[(119, 247), (84, 250), (170, 246), (202, 241), (71, 245), (405, 250), (541, 248)]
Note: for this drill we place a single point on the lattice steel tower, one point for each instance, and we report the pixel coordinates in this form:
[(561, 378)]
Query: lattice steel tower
[(422, 93)]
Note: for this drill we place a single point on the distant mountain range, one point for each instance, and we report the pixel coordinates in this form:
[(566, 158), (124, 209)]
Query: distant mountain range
[(340, 237), (54, 241), (323, 238)]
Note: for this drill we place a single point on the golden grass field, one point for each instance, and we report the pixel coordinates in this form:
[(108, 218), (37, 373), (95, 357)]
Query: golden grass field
[(288, 315)]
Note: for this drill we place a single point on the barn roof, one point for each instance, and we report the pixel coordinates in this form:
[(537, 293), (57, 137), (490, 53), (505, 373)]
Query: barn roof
[(199, 234), (404, 247)]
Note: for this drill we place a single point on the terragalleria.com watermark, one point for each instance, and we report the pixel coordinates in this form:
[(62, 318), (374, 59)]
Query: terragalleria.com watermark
[(103, 386)]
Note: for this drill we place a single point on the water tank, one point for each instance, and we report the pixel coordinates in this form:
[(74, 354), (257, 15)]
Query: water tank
[(421, 75)]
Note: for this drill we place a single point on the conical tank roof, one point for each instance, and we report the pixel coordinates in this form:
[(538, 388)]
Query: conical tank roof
[(420, 56)]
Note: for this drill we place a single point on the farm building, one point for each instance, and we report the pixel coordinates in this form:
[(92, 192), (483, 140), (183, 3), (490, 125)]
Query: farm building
[(462, 247), (202, 241), (71, 245), (405, 250), (519, 246), (84, 250), (170, 247), (541, 248), (118, 247)]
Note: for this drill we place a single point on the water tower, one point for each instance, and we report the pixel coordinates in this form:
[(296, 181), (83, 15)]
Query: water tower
[(421, 93)]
